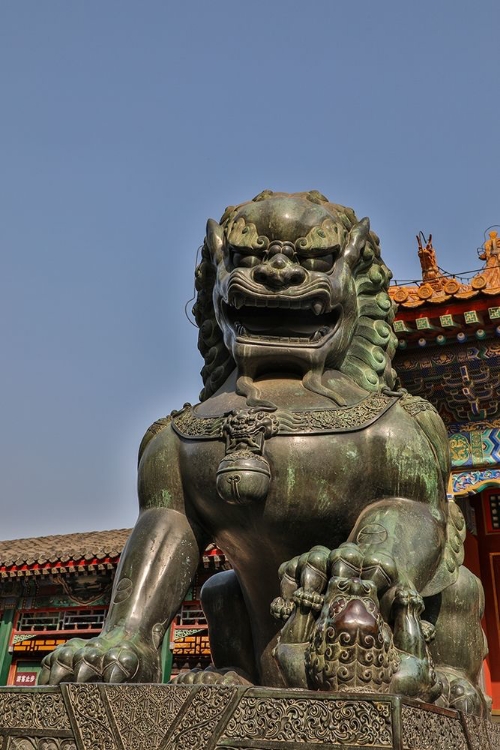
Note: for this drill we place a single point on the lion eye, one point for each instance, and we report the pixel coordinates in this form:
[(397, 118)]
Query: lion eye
[(322, 263), (240, 260)]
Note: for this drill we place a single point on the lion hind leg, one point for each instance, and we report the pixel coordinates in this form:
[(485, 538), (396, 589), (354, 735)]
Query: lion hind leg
[(459, 644), (231, 640)]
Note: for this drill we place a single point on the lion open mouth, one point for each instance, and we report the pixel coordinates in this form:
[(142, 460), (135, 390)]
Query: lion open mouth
[(281, 320)]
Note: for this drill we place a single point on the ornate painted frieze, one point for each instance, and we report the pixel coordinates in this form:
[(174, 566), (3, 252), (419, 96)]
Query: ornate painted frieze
[(463, 382), (479, 447), (471, 482)]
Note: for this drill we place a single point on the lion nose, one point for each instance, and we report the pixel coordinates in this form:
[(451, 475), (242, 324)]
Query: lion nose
[(279, 273)]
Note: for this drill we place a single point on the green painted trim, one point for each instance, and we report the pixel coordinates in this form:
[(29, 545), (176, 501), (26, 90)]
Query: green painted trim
[(5, 657), (28, 666), (167, 658)]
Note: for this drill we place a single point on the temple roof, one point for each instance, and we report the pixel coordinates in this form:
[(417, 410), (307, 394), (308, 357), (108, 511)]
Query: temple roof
[(74, 553), (438, 287), (77, 550), (448, 332)]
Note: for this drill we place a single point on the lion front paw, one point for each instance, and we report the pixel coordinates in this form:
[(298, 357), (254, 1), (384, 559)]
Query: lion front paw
[(350, 561), (409, 599), (108, 658), (303, 580)]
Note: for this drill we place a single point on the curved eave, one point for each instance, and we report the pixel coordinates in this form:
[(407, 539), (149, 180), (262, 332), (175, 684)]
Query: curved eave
[(60, 567)]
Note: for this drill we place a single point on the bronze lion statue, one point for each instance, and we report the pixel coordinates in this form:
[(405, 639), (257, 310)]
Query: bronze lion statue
[(322, 482)]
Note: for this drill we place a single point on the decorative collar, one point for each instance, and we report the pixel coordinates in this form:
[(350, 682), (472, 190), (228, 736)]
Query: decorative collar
[(189, 425)]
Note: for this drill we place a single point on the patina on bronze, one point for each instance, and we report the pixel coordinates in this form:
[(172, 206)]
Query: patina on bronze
[(302, 457)]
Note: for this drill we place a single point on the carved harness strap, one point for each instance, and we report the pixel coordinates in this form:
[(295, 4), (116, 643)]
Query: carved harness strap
[(244, 474)]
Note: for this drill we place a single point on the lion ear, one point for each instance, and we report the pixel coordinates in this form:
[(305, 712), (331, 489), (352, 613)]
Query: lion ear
[(215, 239), (356, 241)]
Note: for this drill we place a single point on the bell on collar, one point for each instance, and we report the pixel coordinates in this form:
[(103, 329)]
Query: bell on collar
[(243, 478)]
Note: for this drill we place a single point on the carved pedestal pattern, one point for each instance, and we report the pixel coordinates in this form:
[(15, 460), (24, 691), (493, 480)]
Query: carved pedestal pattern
[(170, 717)]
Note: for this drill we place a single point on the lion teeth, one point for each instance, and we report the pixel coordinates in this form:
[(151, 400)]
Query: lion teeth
[(317, 307), (240, 329), (319, 334)]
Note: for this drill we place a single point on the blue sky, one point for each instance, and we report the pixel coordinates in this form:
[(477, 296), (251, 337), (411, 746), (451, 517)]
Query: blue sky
[(125, 125)]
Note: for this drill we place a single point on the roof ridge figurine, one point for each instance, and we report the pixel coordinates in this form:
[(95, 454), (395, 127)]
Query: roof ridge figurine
[(438, 287)]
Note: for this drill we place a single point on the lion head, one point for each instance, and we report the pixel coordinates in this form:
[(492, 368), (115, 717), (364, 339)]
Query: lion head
[(292, 282)]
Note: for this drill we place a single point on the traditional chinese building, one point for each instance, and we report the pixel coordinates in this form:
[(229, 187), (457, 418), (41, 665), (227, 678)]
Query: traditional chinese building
[(58, 587), (449, 352)]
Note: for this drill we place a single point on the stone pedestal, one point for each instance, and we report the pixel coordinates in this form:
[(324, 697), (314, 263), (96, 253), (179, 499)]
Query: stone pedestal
[(169, 717)]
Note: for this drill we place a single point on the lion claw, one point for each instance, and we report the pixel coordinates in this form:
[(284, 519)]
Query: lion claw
[(60, 665), (120, 664), (109, 658), (308, 599), (303, 582), (88, 664), (210, 676), (281, 609), (410, 599)]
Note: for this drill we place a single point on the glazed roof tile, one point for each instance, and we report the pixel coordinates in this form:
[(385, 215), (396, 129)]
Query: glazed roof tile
[(60, 549), (63, 547)]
